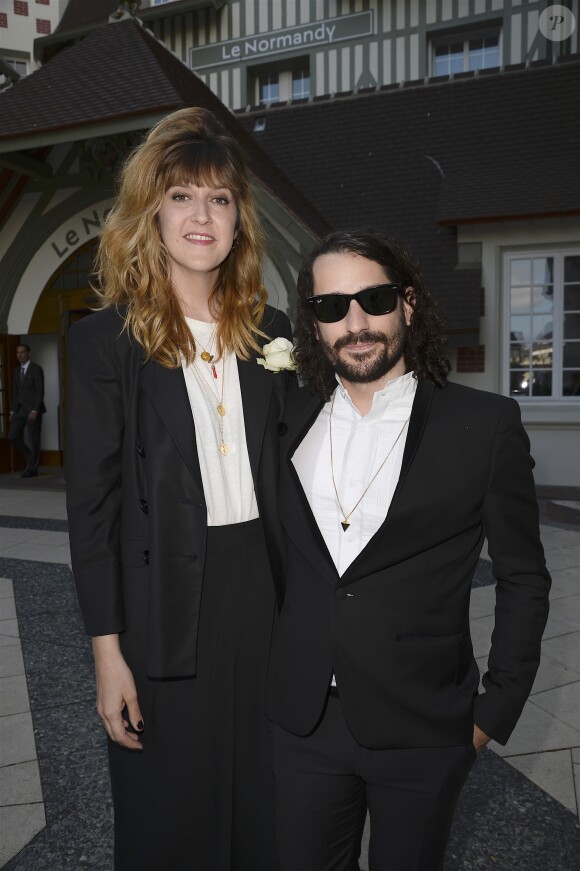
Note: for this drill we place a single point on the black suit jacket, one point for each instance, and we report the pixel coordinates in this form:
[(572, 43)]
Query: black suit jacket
[(28, 395), (395, 627), (136, 507)]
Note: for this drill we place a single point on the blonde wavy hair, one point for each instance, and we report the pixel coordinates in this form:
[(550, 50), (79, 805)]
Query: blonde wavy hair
[(133, 264)]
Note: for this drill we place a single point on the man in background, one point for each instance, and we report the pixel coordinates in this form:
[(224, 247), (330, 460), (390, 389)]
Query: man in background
[(27, 409)]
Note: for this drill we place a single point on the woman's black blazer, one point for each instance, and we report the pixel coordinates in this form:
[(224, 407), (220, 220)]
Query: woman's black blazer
[(136, 507)]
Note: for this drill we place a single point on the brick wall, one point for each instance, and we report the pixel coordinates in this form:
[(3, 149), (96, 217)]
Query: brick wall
[(471, 359)]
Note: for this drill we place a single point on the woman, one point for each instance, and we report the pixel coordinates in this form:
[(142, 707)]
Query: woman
[(172, 469)]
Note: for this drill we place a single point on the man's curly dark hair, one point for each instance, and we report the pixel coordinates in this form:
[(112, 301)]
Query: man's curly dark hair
[(425, 343)]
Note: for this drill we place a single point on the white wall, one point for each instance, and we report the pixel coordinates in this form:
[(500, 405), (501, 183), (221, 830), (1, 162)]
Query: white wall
[(553, 427)]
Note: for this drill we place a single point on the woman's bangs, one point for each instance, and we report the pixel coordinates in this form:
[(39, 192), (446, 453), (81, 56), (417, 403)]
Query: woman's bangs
[(201, 164)]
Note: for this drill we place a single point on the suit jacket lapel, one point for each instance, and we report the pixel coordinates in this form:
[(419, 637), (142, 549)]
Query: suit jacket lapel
[(296, 512), (417, 422), (256, 388), (167, 392)]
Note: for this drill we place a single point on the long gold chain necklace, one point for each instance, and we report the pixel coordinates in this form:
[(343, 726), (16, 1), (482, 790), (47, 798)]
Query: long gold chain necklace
[(211, 395), (206, 354), (345, 522)]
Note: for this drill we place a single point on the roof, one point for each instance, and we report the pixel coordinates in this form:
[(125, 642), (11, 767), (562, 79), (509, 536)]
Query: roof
[(121, 74), (81, 17), (418, 160), (79, 14)]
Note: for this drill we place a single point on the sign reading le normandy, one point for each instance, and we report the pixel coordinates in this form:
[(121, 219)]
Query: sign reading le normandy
[(276, 42)]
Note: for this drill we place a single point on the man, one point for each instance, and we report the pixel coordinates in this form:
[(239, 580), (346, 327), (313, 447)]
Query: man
[(390, 480), (27, 409)]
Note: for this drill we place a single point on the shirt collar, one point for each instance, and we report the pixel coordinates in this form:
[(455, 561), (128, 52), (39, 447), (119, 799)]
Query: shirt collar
[(403, 385)]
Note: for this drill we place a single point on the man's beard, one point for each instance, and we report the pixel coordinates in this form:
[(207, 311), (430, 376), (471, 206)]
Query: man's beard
[(370, 366)]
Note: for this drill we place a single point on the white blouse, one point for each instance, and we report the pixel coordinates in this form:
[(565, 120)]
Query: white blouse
[(226, 477)]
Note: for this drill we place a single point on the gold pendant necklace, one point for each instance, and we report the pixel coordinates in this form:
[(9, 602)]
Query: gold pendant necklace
[(206, 354), (212, 396), (345, 522)]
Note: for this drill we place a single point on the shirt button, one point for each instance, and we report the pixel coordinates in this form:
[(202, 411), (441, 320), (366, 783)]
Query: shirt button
[(340, 593)]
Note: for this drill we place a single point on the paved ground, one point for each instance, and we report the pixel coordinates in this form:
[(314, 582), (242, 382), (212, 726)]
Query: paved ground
[(519, 809)]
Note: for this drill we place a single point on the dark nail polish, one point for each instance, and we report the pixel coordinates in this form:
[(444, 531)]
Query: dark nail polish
[(140, 725)]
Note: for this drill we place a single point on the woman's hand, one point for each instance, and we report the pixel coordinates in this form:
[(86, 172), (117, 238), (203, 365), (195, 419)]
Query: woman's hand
[(115, 692)]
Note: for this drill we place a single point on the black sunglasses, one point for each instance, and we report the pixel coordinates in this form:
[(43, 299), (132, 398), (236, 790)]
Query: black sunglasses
[(378, 300)]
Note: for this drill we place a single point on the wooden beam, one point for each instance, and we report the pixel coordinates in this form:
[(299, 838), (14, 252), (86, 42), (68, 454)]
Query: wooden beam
[(25, 165)]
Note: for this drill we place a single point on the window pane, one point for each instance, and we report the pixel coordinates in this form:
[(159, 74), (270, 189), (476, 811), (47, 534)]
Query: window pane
[(543, 327), (571, 268), (483, 53), (572, 326), (572, 297), (520, 300), (519, 355), (448, 59), (542, 384), (521, 272), (571, 354), (269, 89), (543, 269), (571, 383), (300, 85), (542, 355), (543, 299), (519, 384), (520, 329)]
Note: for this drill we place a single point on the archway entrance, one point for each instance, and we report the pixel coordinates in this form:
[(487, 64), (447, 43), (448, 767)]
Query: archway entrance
[(67, 297)]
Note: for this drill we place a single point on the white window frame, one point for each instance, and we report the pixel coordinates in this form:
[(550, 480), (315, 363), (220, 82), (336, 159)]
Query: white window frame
[(465, 37), (272, 76), (303, 75), (558, 255)]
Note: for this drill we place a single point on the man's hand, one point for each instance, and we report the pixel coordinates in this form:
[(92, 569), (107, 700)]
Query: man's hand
[(480, 739), (32, 415)]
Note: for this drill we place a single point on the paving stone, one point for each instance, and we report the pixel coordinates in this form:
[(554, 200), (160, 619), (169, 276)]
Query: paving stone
[(9, 628), (16, 739), (19, 824), (565, 649), (505, 822), (552, 772), (13, 695), (6, 588), (20, 784), (552, 673), (562, 702), (537, 731), (7, 609), (11, 662)]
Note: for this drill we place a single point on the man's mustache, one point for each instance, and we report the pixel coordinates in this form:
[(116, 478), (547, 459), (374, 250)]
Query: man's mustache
[(360, 338)]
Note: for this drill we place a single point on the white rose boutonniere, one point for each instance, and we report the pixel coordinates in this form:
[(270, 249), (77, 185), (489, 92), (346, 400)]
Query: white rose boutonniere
[(277, 356)]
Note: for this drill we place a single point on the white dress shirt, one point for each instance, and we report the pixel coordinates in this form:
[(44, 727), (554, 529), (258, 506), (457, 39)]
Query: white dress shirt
[(360, 444), (227, 480)]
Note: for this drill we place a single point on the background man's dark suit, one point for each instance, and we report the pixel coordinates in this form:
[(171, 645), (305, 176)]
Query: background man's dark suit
[(27, 397), (395, 626)]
